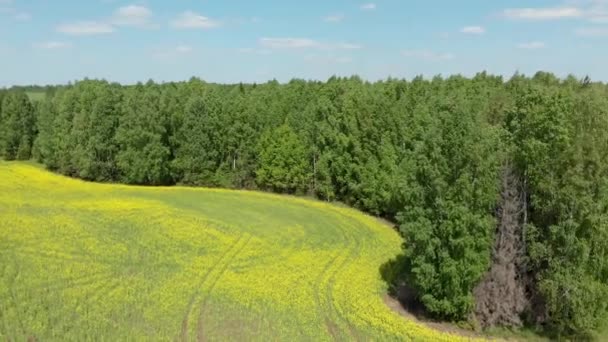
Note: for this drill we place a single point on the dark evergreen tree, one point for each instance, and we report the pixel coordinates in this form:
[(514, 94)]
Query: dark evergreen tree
[(19, 126)]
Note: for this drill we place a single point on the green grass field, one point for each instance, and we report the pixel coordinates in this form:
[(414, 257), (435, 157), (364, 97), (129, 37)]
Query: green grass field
[(82, 261)]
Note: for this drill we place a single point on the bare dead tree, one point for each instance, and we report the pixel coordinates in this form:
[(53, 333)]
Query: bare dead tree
[(501, 296)]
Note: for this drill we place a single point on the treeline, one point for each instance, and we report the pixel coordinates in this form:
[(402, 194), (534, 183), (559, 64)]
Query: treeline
[(429, 154)]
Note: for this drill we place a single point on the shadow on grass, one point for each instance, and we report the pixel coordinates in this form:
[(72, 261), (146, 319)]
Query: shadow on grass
[(393, 272)]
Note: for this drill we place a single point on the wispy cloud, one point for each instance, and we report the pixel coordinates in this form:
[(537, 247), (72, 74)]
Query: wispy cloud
[(531, 45), (427, 55), (183, 49), (85, 28), (305, 43), (254, 51), (547, 13), (52, 45), (473, 30), (368, 7), (334, 18), (23, 16), (172, 52), (599, 20), (592, 31), (347, 46), (595, 11), (132, 15), (193, 20), (289, 43)]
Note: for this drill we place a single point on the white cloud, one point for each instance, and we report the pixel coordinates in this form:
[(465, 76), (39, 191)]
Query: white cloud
[(532, 45), (334, 18), (595, 11), (52, 45), (427, 55), (132, 15), (23, 16), (192, 20), (368, 7), (473, 30), (183, 49), (254, 51), (592, 31), (289, 43), (84, 28), (547, 13)]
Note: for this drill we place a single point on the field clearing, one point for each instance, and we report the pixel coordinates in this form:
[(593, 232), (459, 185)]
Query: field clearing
[(80, 261)]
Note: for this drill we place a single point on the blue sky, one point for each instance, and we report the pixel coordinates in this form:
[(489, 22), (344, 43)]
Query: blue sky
[(56, 41)]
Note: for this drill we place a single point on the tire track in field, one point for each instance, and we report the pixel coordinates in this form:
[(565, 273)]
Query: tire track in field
[(13, 298), (319, 285), (2, 303), (327, 278), (269, 253), (197, 291), (92, 296), (323, 301), (69, 283), (199, 327), (34, 242), (59, 256), (349, 234), (357, 225)]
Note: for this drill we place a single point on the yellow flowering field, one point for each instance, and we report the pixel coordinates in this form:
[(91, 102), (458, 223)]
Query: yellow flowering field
[(82, 261)]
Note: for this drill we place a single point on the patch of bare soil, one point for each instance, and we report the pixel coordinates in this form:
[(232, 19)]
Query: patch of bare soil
[(396, 306)]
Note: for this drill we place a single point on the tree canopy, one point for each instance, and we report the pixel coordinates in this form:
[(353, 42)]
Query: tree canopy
[(429, 154)]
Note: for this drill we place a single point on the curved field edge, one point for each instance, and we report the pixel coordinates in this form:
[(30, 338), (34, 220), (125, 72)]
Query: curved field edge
[(235, 274)]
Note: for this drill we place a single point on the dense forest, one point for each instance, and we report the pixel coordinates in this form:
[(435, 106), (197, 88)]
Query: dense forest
[(499, 187)]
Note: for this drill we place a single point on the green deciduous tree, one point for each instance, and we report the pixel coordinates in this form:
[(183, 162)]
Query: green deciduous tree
[(198, 156), (144, 155), (283, 161)]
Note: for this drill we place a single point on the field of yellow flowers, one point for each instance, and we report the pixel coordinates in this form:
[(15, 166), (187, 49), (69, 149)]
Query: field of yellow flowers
[(82, 261)]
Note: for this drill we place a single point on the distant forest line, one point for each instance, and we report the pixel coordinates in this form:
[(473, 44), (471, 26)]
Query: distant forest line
[(498, 186)]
